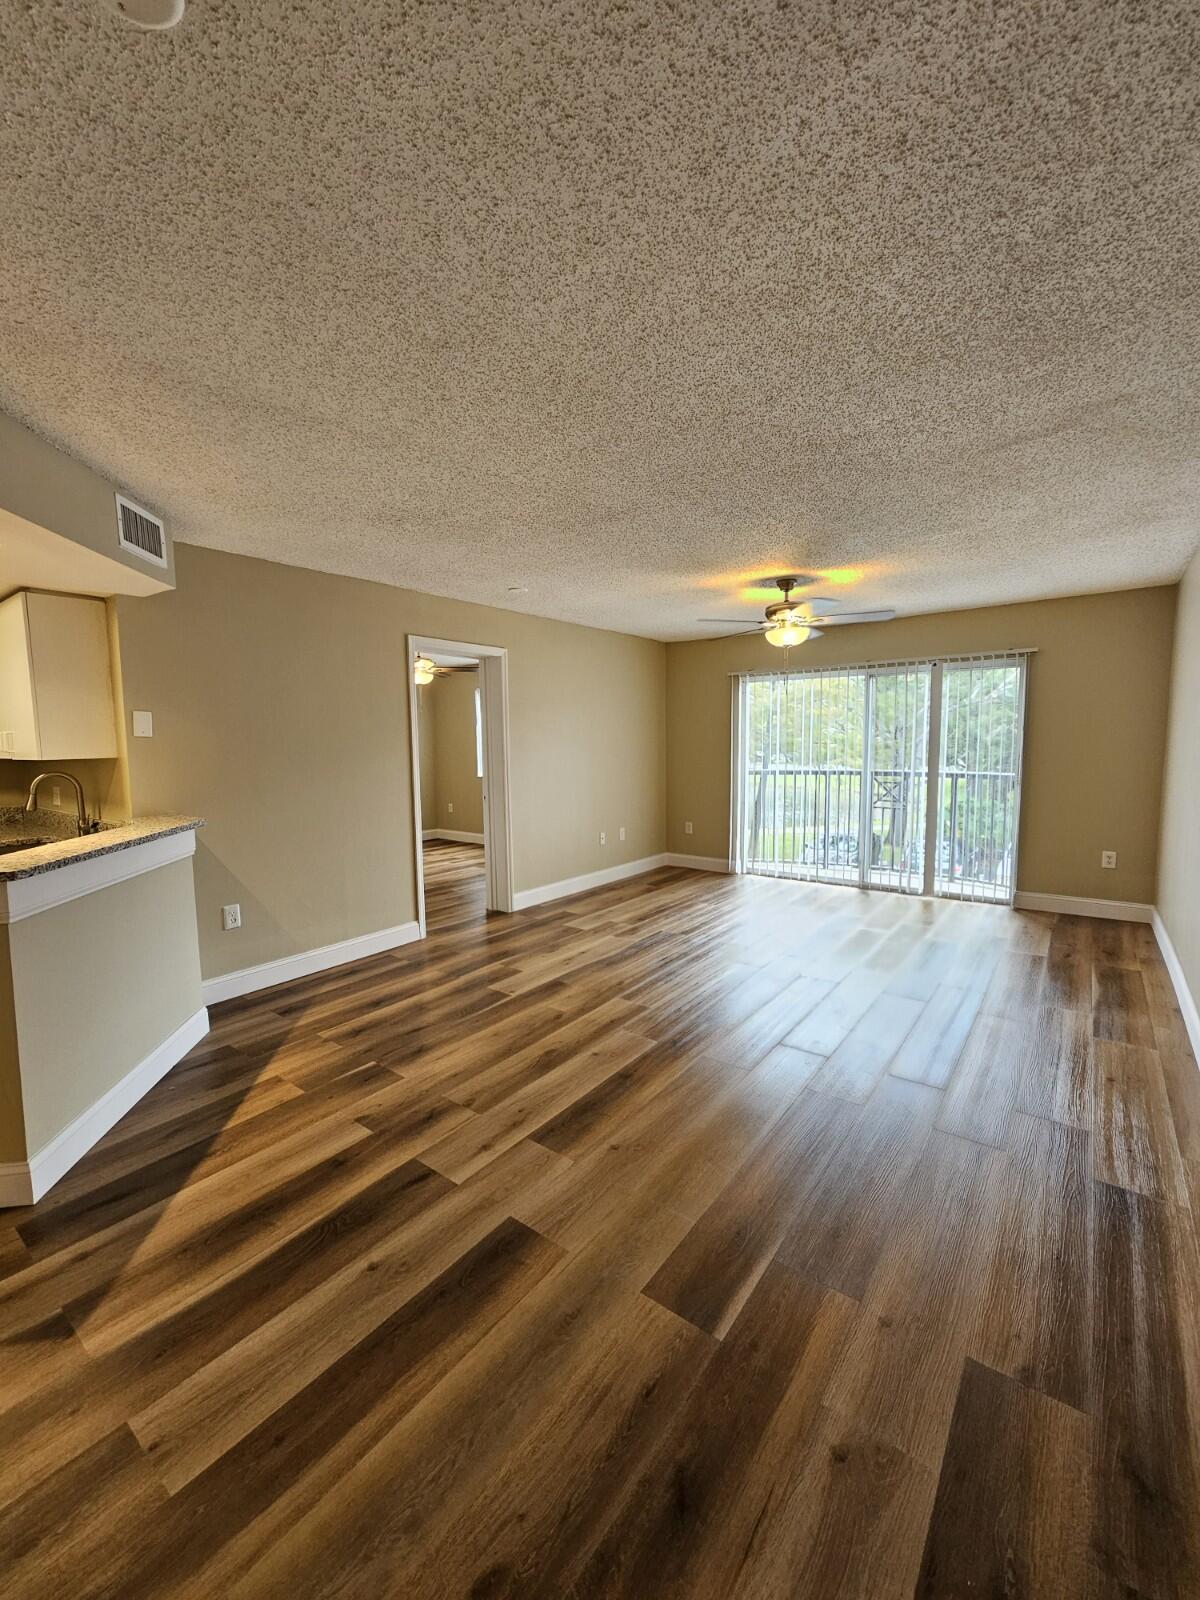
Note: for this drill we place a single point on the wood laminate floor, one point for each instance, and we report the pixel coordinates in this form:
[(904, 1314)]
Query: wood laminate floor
[(699, 1236)]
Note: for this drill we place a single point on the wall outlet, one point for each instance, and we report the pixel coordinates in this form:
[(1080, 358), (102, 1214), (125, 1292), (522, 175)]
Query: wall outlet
[(687, 827), (603, 838), (231, 917), (143, 725), (1108, 858), (621, 835)]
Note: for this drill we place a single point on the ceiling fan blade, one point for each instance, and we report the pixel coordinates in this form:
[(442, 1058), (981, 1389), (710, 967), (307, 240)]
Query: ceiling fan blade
[(733, 622), (840, 618), (819, 605)]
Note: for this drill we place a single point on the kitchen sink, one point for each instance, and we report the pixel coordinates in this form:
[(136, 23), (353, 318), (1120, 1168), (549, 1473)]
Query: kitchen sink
[(9, 846)]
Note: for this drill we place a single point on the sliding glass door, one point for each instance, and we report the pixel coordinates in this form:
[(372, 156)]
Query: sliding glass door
[(898, 753), (979, 770), (831, 776)]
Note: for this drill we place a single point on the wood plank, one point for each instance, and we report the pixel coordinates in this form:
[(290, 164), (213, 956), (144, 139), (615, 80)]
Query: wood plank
[(930, 1051), (78, 1527), (157, 1287), (1068, 981), (1013, 1500), (899, 1370), (828, 1023), (713, 1494), (982, 1093), (196, 1423), (708, 1277), (473, 1144), (1146, 1528), (1119, 1008), (863, 1056), (492, 1085), (430, 1508), (1114, 944), (1056, 1074), (84, 1266), (1016, 985), (246, 1501), (1037, 1323), (1133, 1140), (603, 1111), (843, 1219)]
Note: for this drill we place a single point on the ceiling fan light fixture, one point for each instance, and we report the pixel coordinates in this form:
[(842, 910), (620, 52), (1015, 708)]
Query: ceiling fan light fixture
[(423, 670), (787, 632)]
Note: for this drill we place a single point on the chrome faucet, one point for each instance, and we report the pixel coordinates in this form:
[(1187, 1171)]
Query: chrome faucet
[(85, 823)]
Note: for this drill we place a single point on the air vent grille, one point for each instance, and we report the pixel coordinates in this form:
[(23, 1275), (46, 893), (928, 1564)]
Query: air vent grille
[(140, 532)]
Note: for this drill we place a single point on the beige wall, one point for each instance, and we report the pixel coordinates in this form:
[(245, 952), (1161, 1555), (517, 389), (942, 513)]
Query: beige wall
[(1179, 862), (101, 780), (1094, 740), (458, 784), (427, 727), (118, 969), (451, 789), (47, 487), (281, 715)]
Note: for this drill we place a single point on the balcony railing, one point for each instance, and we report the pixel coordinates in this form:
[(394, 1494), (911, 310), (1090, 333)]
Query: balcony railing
[(806, 821)]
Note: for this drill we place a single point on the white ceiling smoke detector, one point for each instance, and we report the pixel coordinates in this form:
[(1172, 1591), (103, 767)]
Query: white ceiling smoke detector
[(153, 14)]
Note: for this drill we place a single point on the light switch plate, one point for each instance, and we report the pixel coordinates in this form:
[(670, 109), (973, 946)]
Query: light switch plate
[(143, 725), (1108, 858)]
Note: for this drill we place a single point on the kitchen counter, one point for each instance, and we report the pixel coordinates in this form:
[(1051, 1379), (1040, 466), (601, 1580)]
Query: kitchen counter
[(99, 982), (66, 852)]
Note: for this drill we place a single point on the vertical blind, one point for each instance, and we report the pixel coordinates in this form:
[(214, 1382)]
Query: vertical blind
[(831, 769), (982, 722)]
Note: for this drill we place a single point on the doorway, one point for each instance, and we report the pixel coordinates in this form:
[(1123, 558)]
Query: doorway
[(463, 856), (831, 778)]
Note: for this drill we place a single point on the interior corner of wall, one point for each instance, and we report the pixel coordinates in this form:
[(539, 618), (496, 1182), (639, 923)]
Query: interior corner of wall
[(119, 799)]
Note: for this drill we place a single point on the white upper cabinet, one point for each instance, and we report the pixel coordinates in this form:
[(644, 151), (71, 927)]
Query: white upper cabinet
[(56, 697)]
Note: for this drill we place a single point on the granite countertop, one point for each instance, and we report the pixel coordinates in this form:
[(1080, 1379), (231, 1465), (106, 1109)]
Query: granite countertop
[(65, 847)]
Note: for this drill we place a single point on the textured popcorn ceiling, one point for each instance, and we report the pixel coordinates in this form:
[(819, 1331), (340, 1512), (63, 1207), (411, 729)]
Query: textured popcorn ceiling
[(622, 303)]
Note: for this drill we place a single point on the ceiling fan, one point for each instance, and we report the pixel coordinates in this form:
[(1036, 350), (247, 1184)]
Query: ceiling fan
[(425, 670), (789, 621)]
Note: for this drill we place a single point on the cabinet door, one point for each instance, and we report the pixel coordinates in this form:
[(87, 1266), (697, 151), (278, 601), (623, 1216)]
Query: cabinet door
[(18, 719), (72, 681)]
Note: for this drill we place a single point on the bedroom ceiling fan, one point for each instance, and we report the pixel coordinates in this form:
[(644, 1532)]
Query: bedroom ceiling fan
[(425, 670), (788, 622)]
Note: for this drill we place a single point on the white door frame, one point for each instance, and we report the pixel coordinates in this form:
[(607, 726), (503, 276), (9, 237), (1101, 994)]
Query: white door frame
[(497, 809)]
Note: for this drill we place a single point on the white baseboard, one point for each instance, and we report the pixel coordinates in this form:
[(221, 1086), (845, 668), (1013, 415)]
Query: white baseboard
[(587, 880), (23, 1182), (268, 973), (452, 836), (1070, 905), (697, 863), (1187, 1002)]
